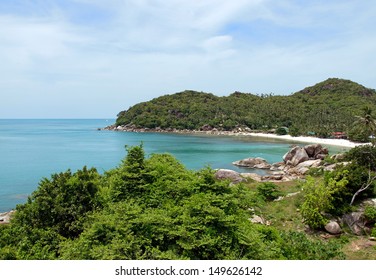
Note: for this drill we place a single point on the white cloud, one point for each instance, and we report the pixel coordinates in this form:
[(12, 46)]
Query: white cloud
[(217, 42), (132, 51), (28, 42)]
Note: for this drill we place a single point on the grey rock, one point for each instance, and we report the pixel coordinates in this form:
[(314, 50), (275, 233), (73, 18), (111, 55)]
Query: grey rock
[(278, 173), (300, 156), (369, 202), (309, 163), (316, 151), (257, 220), (302, 170), (338, 157), (333, 227), (333, 166), (295, 156), (277, 166), (276, 177), (252, 176), (290, 154), (264, 165), (310, 149), (320, 156), (303, 167), (233, 176), (206, 127), (253, 163), (355, 221)]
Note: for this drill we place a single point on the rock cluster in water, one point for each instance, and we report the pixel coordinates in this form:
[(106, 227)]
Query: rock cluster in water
[(296, 163)]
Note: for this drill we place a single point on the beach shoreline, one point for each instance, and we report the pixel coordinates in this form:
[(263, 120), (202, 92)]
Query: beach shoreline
[(309, 139), (302, 139)]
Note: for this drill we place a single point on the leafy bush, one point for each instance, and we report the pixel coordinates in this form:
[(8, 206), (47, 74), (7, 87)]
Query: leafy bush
[(317, 200), (364, 156), (268, 191), (370, 213), (315, 172), (328, 160), (61, 202), (357, 134), (356, 176), (294, 131), (281, 130), (297, 246), (322, 197)]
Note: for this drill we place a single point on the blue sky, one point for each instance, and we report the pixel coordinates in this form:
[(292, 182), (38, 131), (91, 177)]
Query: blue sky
[(92, 58)]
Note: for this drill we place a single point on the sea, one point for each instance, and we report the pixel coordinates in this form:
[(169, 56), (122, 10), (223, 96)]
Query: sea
[(33, 149)]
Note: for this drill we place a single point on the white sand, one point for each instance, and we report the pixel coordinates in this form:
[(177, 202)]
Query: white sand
[(306, 139)]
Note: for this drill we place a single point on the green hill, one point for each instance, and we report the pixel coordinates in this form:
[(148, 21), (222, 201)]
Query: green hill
[(326, 107)]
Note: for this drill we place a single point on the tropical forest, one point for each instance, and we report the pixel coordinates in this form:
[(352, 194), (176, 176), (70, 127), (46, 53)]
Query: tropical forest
[(329, 106)]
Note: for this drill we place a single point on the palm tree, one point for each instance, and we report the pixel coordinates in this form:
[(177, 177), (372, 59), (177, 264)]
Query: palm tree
[(367, 124)]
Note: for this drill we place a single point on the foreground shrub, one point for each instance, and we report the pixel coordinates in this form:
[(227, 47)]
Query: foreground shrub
[(146, 209), (268, 191), (364, 155), (320, 197), (297, 246)]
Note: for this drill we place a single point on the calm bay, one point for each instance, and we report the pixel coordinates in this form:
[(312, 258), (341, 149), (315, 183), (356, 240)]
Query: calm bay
[(33, 149)]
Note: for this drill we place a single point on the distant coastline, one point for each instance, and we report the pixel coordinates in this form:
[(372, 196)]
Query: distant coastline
[(303, 139)]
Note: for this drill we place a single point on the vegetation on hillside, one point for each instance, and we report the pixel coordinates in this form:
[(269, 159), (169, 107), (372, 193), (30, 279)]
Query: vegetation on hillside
[(339, 191), (330, 106), (150, 208), (154, 208)]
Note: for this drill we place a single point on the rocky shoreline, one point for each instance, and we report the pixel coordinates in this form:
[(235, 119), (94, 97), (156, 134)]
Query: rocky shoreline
[(295, 165), (204, 130)]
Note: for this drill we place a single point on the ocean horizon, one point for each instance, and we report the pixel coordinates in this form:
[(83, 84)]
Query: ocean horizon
[(32, 149)]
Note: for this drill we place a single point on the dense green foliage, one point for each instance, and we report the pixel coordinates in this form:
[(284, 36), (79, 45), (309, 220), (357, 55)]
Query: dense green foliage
[(298, 247), (147, 208), (335, 192), (329, 106), (321, 198), (370, 215), (364, 128), (268, 191), (364, 156)]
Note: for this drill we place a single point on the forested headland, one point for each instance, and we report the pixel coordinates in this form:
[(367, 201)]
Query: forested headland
[(327, 107)]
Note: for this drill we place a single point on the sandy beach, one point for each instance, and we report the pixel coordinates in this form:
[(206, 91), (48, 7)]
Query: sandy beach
[(308, 139), (304, 139)]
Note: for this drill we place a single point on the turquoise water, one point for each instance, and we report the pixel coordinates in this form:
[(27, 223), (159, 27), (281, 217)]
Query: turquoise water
[(33, 149)]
